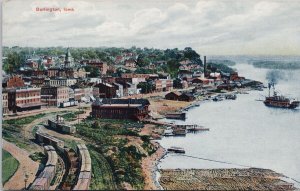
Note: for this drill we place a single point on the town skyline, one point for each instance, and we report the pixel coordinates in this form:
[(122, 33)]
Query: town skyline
[(209, 27)]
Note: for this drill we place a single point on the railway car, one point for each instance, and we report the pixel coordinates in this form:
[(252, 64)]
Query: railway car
[(48, 140)]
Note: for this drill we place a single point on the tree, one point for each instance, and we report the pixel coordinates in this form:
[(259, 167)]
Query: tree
[(142, 60), (173, 67), (146, 87), (192, 55), (94, 71), (177, 83), (12, 63)]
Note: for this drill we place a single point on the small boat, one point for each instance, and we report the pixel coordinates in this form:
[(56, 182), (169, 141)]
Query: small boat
[(217, 98), (179, 132), (197, 104), (230, 96), (176, 150)]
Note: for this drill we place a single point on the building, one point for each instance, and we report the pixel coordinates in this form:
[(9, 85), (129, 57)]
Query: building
[(69, 61), (102, 66), (132, 75), (37, 81), (162, 85), (57, 72), (186, 97), (14, 81), (106, 90), (53, 96), (173, 96), (24, 99), (32, 64), (78, 94), (134, 109), (119, 89), (4, 103), (130, 63), (185, 74), (60, 82)]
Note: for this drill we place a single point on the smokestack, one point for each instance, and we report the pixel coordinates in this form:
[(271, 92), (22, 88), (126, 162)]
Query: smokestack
[(204, 66)]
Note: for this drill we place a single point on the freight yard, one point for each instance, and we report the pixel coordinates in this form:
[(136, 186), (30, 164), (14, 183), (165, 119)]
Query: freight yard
[(223, 179)]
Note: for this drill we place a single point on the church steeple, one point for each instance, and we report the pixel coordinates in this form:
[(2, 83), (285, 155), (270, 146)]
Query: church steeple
[(69, 59)]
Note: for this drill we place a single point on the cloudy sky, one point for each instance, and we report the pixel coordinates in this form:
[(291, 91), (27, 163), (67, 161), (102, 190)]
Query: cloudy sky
[(210, 26)]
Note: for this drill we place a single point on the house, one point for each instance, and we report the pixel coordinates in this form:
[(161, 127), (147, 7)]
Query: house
[(130, 63), (37, 81), (134, 109), (24, 99), (173, 96), (215, 76), (185, 62), (53, 96), (186, 97), (202, 81), (133, 75), (4, 102), (106, 90), (14, 81), (119, 89), (163, 85), (185, 74), (32, 64)]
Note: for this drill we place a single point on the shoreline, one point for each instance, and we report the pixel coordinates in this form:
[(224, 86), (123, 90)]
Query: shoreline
[(150, 168), (154, 170)]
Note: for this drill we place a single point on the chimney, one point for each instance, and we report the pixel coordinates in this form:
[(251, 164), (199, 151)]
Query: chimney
[(204, 66)]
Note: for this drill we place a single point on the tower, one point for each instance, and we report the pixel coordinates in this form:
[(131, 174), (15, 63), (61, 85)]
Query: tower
[(69, 61)]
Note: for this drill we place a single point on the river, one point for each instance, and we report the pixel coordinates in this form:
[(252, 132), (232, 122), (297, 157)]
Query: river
[(243, 131)]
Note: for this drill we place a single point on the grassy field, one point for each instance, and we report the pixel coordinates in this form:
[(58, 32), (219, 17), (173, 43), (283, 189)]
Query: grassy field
[(9, 166), (103, 178)]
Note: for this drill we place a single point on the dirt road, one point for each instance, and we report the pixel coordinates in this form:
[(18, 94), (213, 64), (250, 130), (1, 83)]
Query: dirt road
[(28, 166)]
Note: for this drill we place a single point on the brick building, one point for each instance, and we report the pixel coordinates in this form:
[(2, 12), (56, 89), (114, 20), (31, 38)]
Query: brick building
[(37, 81), (53, 96), (57, 72), (134, 109), (102, 66), (163, 85), (13, 82), (24, 99), (106, 90)]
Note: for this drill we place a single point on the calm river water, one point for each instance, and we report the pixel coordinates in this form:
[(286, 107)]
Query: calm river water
[(243, 131)]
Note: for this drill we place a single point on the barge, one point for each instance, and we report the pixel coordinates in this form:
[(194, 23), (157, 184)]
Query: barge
[(176, 150), (179, 116)]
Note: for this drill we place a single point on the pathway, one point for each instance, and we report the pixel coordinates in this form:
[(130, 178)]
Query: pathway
[(16, 182)]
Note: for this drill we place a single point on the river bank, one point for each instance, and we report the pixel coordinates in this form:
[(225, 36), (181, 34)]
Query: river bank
[(243, 131)]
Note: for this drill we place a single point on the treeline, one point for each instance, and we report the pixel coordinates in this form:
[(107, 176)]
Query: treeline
[(219, 67), (16, 56), (277, 65), (226, 62)]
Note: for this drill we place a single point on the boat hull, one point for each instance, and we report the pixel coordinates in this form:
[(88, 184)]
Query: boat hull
[(292, 105)]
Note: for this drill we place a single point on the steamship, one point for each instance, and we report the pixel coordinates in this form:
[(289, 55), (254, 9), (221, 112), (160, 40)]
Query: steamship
[(279, 100)]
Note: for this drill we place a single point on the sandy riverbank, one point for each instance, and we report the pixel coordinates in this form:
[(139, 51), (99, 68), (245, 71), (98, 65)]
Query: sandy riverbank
[(149, 166)]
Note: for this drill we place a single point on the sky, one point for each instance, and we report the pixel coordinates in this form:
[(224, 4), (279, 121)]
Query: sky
[(212, 27)]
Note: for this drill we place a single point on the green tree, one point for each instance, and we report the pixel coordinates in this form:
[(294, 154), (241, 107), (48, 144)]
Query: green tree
[(146, 87), (12, 63)]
